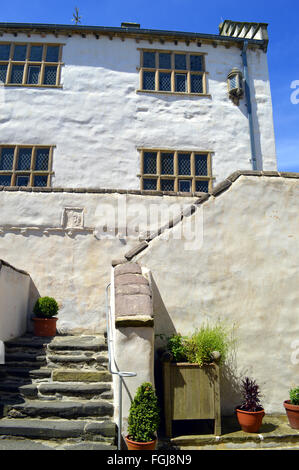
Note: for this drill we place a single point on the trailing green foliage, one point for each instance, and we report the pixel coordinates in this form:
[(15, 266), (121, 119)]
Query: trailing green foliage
[(45, 307), (144, 416), (200, 346), (294, 396)]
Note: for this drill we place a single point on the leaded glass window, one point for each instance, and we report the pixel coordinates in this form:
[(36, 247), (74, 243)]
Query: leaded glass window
[(25, 165), (30, 64), (167, 163), (173, 72), (24, 158), (6, 159), (167, 185), (149, 184), (150, 163), (148, 80), (50, 75), (184, 171), (185, 186), (184, 164)]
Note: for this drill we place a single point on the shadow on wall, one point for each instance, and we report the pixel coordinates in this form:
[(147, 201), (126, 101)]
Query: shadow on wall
[(32, 298)]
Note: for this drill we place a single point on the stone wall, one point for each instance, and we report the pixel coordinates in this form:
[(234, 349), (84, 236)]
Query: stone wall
[(67, 240), (14, 298), (244, 271)]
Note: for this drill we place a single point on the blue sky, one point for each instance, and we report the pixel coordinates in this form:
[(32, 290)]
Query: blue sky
[(202, 17)]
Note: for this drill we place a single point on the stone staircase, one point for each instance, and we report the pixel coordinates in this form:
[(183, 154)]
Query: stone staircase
[(57, 392)]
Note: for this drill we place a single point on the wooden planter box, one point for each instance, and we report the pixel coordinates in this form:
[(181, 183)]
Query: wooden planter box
[(191, 392)]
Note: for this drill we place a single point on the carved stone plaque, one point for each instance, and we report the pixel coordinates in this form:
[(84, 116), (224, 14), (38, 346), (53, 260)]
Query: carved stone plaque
[(73, 217)]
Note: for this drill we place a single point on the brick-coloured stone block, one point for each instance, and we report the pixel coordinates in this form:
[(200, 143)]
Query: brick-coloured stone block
[(131, 305), (130, 279), (128, 268)]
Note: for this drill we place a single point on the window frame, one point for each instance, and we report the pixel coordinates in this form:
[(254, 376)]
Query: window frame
[(188, 72), (159, 176), (14, 172), (10, 62)]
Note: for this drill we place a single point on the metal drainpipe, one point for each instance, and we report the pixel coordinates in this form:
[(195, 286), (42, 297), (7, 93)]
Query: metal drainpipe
[(249, 108)]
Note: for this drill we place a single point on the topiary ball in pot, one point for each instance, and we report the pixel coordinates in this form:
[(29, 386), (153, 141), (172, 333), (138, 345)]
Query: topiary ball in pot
[(44, 320), (143, 419)]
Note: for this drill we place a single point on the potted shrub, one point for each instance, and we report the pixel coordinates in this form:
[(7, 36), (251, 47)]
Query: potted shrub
[(143, 419), (292, 408), (250, 413), (44, 320), (191, 375)]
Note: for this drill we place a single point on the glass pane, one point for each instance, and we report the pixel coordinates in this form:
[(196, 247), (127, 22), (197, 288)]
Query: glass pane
[(149, 163), (202, 186), (164, 61), (167, 165), (196, 84), (36, 53), (5, 180), (149, 184), (22, 180), (52, 54), (184, 164), (20, 52), (4, 51), (6, 160), (167, 185), (33, 75), (196, 63), (149, 60), (164, 81), (148, 80), (50, 75), (42, 160), (180, 82), (201, 165), (17, 74), (185, 186), (40, 180), (233, 82), (24, 159), (3, 70), (180, 61)]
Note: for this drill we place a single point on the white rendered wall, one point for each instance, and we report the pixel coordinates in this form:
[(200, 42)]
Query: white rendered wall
[(14, 295), (97, 120), (58, 239), (244, 271)]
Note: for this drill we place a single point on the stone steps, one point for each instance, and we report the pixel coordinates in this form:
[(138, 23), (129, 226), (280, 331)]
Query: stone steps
[(61, 409), (57, 389), (100, 430)]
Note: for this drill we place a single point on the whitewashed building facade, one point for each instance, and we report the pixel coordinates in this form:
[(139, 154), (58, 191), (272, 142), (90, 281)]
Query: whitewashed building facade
[(129, 108)]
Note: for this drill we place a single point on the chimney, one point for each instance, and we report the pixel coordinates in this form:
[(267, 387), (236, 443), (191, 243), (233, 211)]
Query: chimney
[(130, 25), (239, 29)]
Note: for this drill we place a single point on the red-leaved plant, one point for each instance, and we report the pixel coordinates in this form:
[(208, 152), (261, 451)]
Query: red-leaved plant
[(251, 396)]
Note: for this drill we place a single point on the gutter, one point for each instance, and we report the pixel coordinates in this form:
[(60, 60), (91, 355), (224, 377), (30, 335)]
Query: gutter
[(249, 107)]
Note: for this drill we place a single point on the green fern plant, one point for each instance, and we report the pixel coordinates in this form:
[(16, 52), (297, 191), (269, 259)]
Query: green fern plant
[(144, 418)]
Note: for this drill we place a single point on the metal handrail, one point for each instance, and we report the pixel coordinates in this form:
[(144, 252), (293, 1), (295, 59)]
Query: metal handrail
[(111, 361)]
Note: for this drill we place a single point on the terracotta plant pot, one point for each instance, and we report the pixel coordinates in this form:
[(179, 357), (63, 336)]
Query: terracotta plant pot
[(292, 414), (45, 326), (250, 421), (132, 445)]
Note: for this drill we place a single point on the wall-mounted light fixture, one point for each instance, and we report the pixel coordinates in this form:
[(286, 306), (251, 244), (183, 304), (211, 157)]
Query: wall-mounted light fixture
[(235, 85)]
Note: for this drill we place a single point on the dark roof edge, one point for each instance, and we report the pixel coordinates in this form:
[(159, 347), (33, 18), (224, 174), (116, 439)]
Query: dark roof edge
[(219, 189), (130, 32)]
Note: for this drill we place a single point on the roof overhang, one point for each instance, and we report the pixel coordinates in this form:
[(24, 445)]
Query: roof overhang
[(121, 32)]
